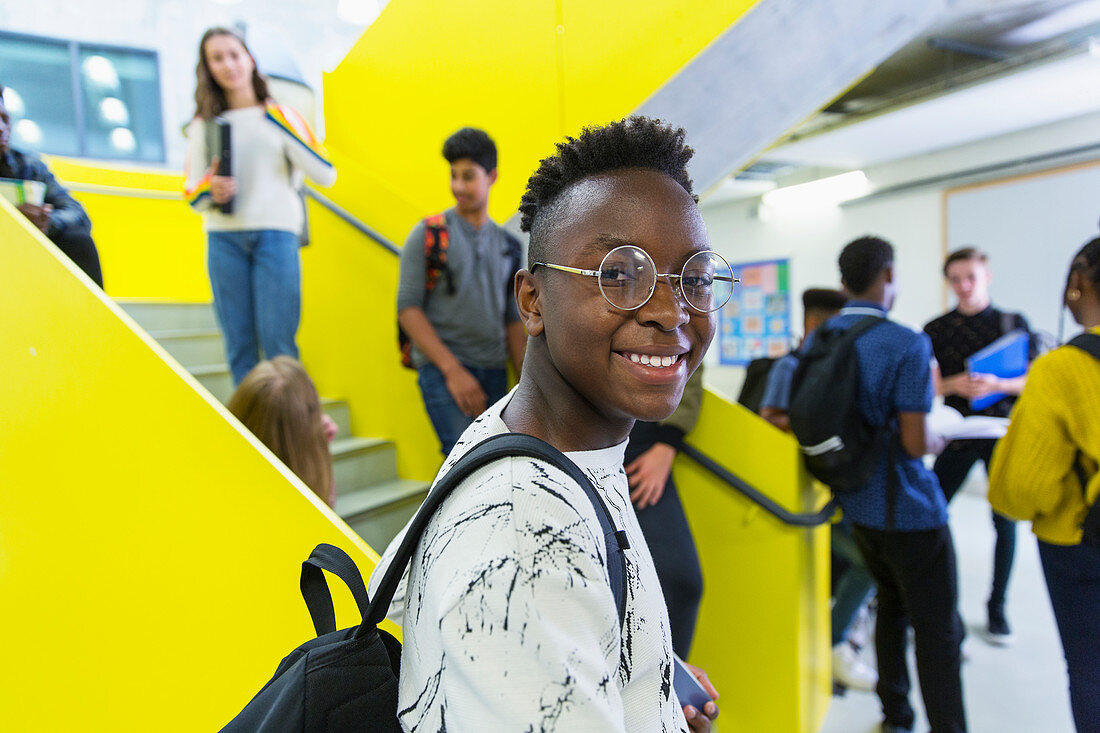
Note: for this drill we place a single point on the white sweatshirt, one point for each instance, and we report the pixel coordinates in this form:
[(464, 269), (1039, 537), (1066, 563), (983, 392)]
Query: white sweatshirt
[(509, 621), (272, 148)]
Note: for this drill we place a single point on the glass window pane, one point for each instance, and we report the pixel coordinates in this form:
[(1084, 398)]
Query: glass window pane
[(121, 98), (37, 75)]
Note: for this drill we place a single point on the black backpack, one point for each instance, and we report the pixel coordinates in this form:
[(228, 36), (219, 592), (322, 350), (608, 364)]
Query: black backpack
[(347, 680), (839, 447), (756, 382), (1090, 528)]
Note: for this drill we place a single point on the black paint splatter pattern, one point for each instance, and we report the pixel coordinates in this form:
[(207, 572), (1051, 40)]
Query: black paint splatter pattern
[(509, 622)]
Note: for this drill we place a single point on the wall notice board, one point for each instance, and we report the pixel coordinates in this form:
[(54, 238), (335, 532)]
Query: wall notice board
[(756, 321), (1030, 226)]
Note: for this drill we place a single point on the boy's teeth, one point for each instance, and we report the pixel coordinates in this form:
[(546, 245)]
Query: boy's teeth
[(656, 361)]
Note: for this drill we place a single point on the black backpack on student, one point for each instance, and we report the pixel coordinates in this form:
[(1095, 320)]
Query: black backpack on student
[(347, 680), (839, 447), (1089, 343), (756, 381)]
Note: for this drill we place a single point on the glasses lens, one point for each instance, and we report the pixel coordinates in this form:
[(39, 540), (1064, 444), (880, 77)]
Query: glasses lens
[(707, 281), (627, 277)]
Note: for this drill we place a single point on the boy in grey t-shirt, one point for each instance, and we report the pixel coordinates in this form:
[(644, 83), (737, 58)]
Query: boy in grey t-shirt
[(467, 327)]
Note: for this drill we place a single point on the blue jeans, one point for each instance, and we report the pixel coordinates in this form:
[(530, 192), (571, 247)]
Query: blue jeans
[(447, 419), (1073, 582), (257, 283)]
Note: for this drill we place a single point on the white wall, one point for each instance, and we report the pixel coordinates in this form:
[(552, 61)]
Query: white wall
[(913, 221), (310, 31)]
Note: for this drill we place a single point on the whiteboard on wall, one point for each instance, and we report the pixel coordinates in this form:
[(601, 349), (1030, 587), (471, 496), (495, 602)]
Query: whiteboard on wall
[(1030, 227)]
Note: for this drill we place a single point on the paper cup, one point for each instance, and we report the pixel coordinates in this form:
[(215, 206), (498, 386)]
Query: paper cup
[(34, 192)]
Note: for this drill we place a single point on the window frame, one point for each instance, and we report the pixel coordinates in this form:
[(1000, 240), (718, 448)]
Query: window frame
[(75, 48)]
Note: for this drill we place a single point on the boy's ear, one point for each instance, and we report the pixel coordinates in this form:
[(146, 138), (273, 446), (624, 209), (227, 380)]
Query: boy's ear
[(493, 177), (528, 300)]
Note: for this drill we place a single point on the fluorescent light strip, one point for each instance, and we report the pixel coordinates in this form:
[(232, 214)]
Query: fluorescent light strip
[(820, 193)]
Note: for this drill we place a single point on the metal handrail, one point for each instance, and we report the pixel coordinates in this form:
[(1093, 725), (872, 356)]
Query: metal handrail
[(350, 219), (822, 516), (320, 198)]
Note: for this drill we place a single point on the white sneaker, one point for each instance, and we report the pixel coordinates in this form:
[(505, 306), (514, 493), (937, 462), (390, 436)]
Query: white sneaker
[(851, 671)]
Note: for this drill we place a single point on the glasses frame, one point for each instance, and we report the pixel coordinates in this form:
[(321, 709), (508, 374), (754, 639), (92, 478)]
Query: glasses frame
[(674, 281)]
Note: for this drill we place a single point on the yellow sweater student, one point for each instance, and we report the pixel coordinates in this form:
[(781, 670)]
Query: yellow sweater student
[(1032, 475)]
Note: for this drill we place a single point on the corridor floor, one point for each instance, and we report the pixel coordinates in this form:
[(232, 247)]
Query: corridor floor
[(1017, 689)]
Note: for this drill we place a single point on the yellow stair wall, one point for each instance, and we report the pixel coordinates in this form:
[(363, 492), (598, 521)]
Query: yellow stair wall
[(763, 630), (149, 545), (529, 73)]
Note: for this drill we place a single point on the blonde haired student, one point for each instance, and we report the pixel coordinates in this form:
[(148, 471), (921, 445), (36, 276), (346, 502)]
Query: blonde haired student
[(279, 404)]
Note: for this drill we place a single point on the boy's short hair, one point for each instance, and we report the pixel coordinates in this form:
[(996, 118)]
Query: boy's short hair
[(965, 253), (823, 300), (636, 142), (862, 260), (472, 143)]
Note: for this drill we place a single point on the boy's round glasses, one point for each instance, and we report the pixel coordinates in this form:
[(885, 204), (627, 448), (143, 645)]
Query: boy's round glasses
[(628, 278)]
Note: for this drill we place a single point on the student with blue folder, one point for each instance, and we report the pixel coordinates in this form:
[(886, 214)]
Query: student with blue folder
[(959, 339)]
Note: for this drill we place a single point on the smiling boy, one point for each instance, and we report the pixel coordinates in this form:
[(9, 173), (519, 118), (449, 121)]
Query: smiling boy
[(509, 620)]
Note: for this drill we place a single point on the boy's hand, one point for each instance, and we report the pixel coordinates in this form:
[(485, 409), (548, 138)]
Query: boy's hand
[(648, 473), (700, 720), (39, 215), (466, 391)]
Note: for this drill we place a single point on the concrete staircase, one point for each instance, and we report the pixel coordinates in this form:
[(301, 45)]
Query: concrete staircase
[(371, 497)]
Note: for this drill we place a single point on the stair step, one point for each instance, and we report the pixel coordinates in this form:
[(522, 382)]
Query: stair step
[(216, 378), (377, 513), (169, 316), (340, 413), (192, 347), (360, 462)]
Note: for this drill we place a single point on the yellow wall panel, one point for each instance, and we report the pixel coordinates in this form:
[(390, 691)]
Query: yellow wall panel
[(763, 632), (606, 75), (529, 73), (348, 341), (151, 245), (149, 548)]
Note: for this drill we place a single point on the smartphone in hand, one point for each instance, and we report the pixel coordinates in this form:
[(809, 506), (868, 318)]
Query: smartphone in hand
[(687, 687)]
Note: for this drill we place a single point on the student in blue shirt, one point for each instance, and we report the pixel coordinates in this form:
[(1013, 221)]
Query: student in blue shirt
[(909, 551)]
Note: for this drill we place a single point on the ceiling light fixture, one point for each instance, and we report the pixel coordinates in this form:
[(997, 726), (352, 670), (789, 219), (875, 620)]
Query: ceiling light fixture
[(100, 71), (113, 110), (14, 102), (822, 193), (123, 140), (28, 132)]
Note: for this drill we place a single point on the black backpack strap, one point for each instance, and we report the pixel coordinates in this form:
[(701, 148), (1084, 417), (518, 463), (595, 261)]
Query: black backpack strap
[(491, 449), (436, 244), (315, 590), (1087, 342), (1090, 344)]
